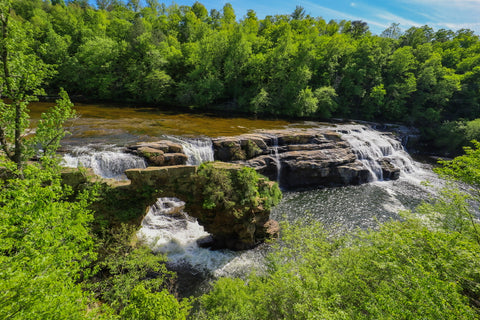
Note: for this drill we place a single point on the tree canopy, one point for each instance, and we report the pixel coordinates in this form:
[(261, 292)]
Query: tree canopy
[(290, 65)]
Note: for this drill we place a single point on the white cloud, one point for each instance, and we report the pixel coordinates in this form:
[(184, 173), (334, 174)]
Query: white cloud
[(473, 4), (382, 18), (392, 18), (449, 14), (447, 10), (457, 26), (328, 13)]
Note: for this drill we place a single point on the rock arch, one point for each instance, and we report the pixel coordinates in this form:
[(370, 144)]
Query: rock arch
[(235, 226)]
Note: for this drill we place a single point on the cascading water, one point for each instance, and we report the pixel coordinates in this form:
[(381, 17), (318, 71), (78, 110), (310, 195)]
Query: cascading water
[(364, 206), (371, 146), (197, 150), (167, 229), (277, 158), (106, 161)]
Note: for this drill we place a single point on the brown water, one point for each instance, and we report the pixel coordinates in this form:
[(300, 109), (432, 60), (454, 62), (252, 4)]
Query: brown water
[(340, 209), (120, 125)]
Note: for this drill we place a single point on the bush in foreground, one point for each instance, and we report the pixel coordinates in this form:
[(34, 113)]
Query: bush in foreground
[(424, 267)]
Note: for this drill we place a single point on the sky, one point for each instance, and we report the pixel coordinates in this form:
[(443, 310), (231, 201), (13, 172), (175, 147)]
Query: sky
[(438, 14)]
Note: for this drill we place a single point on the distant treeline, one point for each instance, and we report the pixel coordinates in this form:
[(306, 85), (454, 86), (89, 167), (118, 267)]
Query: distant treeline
[(288, 65)]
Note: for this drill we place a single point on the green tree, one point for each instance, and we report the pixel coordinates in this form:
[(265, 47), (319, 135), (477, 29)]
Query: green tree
[(404, 270), (327, 104), (465, 168), (400, 83), (306, 103), (124, 266), (146, 305), (416, 36), (200, 11), (392, 32), (228, 15), (298, 13), (97, 56), (22, 77), (46, 246)]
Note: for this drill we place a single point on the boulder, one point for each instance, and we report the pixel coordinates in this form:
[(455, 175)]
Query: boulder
[(160, 153), (162, 178), (166, 146), (173, 159), (228, 149), (75, 177), (389, 171)]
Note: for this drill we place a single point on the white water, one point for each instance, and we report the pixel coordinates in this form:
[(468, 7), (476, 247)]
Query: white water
[(197, 150), (106, 161), (166, 228), (277, 158), (370, 146)]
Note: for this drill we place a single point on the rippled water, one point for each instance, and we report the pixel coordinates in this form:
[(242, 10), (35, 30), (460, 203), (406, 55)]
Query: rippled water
[(339, 209), (123, 125), (343, 209)]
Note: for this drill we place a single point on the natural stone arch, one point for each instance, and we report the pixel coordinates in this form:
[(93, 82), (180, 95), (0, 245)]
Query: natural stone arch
[(235, 220)]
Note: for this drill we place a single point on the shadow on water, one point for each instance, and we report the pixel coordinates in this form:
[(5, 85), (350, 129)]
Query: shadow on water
[(340, 209), (124, 125)]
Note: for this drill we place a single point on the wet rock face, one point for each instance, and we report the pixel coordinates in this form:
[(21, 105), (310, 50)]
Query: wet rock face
[(389, 171), (295, 158), (237, 219), (160, 153), (242, 147), (299, 159)]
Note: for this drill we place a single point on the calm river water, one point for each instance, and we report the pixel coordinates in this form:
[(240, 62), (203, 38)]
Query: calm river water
[(339, 209)]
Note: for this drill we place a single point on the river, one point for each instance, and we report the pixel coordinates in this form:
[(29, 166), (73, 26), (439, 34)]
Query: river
[(100, 133)]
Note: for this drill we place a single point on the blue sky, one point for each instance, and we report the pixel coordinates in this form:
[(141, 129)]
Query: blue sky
[(448, 14)]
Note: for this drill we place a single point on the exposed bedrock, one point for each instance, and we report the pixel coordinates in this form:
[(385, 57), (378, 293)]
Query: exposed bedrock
[(160, 153), (236, 220), (300, 158), (296, 158)]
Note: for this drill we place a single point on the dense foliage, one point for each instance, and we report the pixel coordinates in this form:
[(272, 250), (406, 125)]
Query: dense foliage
[(54, 266), (49, 251), (404, 270), (426, 266), (238, 191), (293, 65), (45, 247)]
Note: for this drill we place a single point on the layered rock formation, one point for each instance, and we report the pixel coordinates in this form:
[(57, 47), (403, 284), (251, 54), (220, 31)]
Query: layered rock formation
[(294, 158), (299, 158), (231, 204), (160, 153)]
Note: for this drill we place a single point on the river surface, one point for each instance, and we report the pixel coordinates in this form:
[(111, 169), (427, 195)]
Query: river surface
[(122, 125), (100, 133)]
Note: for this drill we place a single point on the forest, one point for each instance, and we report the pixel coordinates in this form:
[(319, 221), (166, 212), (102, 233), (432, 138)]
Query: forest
[(67, 253), (285, 65)]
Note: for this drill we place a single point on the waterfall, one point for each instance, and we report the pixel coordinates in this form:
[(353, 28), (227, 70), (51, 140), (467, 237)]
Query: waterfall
[(106, 161), (167, 229), (278, 164), (371, 146), (197, 150)]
